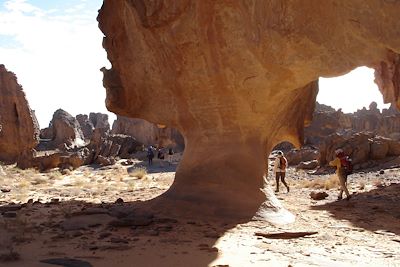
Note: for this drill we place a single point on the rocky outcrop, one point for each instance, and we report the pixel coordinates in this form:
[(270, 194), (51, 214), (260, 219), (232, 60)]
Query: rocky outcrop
[(66, 130), (100, 121), (237, 79), (87, 126), (19, 129), (148, 133)]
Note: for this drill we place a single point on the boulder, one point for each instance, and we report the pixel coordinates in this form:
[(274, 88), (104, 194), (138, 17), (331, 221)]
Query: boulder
[(100, 121), (86, 125), (295, 156), (105, 161), (308, 165), (318, 195), (379, 148), (128, 145), (46, 133), (19, 129), (66, 130), (50, 160), (148, 133), (238, 79)]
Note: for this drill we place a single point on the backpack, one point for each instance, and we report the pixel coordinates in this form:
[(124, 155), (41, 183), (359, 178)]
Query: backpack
[(347, 164), (282, 163)]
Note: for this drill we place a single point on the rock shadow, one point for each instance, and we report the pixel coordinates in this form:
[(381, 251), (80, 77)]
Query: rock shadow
[(376, 210), (107, 234)]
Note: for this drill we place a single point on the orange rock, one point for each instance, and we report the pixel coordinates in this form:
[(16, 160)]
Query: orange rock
[(19, 129), (236, 78)]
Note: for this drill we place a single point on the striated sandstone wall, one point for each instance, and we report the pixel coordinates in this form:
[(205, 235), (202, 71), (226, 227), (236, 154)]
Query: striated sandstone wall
[(19, 129), (238, 77)]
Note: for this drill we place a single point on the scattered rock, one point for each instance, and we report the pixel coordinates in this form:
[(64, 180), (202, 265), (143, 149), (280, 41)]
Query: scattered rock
[(132, 221), (285, 235), (85, 221), (5, 189), (318, 195)]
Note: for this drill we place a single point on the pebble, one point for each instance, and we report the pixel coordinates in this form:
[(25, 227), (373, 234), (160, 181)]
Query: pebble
[(5, 190)]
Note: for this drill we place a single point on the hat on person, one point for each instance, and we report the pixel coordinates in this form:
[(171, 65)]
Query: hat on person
[(338, 151)]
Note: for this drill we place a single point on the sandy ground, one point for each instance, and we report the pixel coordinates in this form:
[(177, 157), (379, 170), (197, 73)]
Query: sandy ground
[(89, 217)]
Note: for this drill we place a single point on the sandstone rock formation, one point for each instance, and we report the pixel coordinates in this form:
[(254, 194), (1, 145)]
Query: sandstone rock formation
[(87, 126), (66, 130), (100, 121), (368, 135), (19, 129), (148, 133), (237, 78)]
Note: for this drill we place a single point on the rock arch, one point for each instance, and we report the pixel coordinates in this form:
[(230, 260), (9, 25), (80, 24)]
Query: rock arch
[(238, 77)]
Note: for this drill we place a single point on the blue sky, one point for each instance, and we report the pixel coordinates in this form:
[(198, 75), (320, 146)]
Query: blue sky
[(55, 49)]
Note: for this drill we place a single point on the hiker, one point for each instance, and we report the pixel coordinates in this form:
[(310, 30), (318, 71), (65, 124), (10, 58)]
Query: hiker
[(280, 170), (150, 155), (170, 155), (339, 162), (160, 154)]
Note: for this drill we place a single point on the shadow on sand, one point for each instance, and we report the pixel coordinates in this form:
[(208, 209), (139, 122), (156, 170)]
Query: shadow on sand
[(375, 210), (108, 234)]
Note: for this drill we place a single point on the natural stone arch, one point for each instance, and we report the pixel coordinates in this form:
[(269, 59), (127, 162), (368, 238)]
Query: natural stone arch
[(236, 78)]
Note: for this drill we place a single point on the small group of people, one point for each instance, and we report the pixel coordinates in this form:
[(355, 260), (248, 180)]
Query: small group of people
[(161, 154), (341, 162)]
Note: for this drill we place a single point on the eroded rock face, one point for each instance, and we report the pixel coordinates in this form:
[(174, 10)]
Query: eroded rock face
[(87, 126), (100, 121), (19, 129), (66, 130), (148, 133), (237, 78)]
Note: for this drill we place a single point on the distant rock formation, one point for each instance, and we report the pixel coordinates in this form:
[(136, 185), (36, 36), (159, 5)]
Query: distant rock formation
[(237, 78), (66, 131), (87, 126), (148, 133), (100, 121), (366, 135), (66, 145), (19, 129)]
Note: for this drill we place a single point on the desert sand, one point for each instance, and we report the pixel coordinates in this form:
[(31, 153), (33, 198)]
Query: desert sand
[(98, 217)]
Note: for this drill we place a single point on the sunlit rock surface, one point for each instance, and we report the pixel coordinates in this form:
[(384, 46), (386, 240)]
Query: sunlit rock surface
[(238, 77), (19, 129)]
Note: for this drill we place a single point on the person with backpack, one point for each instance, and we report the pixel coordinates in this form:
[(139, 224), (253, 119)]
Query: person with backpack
[(150, 155), (343, 165), (280, 170)]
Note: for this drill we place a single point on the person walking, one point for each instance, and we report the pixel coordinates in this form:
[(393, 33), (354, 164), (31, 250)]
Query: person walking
[(280, 170), (341, 172), (150, 155)]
